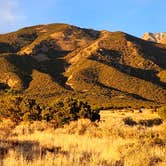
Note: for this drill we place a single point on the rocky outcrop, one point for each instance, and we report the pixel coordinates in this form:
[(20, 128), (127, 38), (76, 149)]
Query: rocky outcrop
[(11, 80), (155, 37)]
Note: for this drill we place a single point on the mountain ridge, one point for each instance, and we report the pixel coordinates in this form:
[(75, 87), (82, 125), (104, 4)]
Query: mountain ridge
[(158, 37), (57, 60)]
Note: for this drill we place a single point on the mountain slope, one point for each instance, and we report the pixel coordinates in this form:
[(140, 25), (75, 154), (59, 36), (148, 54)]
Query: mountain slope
[(99, 66)]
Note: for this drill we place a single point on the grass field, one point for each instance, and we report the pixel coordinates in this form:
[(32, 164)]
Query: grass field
[(109, 142)]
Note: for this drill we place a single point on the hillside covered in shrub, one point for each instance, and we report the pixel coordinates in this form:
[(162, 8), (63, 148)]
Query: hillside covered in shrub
[(48, 62)]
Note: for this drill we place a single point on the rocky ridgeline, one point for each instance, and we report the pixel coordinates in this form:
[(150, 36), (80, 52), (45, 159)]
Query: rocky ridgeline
[(155, 37)]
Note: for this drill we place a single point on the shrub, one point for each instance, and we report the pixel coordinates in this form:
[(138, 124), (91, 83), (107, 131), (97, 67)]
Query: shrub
[(10, 108), (158, 141), (30, 109), (150, 122), (62, 112), (20, 109), (129, 121), (59, 112), (162, 112)]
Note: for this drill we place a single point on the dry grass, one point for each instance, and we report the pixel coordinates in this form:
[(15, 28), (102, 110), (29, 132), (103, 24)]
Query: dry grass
[(109, 142)]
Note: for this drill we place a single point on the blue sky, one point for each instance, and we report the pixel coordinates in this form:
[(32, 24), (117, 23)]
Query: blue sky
[(131, 16)]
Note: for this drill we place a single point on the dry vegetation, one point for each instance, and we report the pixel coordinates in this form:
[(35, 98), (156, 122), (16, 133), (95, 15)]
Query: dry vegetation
[(109, 142), (111, 70), (106, 69)]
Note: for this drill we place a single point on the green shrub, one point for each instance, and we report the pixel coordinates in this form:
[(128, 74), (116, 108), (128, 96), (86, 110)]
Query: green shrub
[(129, 121), (59, 112), (69, 109), (150, 122), (20, 109), (10, 108), (143, 122), (30, 109)]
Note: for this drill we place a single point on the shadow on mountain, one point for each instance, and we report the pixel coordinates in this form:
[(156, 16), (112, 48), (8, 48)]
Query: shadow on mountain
[(126, 93), (150, 51), (91, 77), (50, 48), (6, 48), (111, 58), (25, 65)]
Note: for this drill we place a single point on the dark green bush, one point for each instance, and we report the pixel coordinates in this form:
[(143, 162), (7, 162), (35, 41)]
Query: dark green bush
[(144, 122), (59, 112), (150, 122), (129, 121), (20, 109), (10, 108), (30, 109), (62, 112)]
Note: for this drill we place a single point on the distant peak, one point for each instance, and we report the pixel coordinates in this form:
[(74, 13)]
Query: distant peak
[(158, 37)]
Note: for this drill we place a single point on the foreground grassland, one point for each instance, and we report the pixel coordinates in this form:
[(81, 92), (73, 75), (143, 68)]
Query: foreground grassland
[(109, 142)]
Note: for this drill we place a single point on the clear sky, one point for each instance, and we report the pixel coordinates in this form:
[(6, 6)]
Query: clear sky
[(131, 16)]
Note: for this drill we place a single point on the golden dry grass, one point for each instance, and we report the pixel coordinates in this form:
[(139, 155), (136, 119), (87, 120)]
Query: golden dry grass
[(107, 143)]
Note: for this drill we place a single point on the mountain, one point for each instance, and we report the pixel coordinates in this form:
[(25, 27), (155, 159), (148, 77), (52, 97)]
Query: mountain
[(102, 67), (155, 37)]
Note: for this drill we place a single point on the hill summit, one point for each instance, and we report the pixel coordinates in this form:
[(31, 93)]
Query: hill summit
[(102, 67)]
